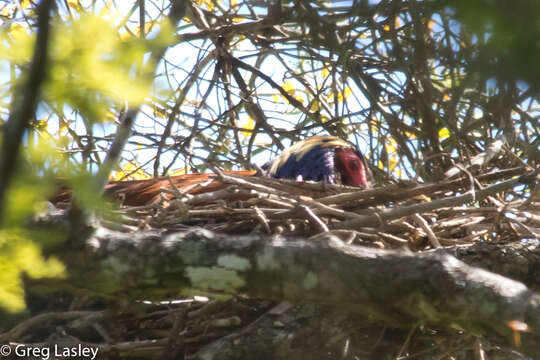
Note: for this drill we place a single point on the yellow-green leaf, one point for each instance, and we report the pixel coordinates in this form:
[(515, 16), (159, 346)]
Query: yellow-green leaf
[(249, 125), (288, 86), (325, 72), (444, 133)]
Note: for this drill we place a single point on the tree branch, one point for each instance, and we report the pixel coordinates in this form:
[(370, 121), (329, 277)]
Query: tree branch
[(24, 103), (397, 287)]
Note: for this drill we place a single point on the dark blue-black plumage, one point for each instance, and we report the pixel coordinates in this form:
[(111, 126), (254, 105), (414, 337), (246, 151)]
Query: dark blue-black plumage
[(315, 165), (321, 158)]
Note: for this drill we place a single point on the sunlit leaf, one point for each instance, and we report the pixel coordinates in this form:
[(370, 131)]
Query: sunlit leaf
[(208, 3), (179, 171), (347, 91), (18, 255), (410, 135), (125, 35), (90, 67), (109, 115), (6, 11), (132, 171), (288, 86), (160, 112), (63, 129), (74, 4), (325, 72), (116, 176), (444, 133), (18, 47), (249, 125), (391, 148), (392, 162), (25, 4)]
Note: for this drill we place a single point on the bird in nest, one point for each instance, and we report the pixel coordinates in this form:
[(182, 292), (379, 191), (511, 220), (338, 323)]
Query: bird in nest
[(327, 159)]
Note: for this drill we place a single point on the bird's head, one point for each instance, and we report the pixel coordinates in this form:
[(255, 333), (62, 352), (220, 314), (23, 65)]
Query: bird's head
[(350, 164)]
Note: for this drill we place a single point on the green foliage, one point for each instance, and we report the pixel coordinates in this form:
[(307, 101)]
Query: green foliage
[(91, 69), (16, 44), (20, 253)]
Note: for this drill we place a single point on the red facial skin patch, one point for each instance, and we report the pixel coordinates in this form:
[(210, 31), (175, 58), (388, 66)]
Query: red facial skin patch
[(351, 167)]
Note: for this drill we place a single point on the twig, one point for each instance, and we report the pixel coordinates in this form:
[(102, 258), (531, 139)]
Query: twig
[(396, 213), (314, 219), (431, 235), (393, 238), (262, 219), (16, 333), (481, 159)]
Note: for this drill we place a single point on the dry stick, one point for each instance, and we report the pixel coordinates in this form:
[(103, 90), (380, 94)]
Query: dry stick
[(347, 236), (527, 230), (15, 333), (224, 211), (275, 203), (320, 208), (407, 341), (458, 222), (247, 28), (262, 219), (176, 108), (393, 238), (252, 108), (480, 159), (479, 352), (309, 188), (314, 219), (223, 194), (268, 79), (431, 235), (398, 191), (246, 184), (471, 178), (396, 213)]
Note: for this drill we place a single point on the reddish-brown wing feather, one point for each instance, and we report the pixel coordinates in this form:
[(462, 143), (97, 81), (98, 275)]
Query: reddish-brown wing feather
[(143, 192)]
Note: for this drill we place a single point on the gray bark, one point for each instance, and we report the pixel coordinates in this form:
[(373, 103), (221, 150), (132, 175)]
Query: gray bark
[(397, 287)]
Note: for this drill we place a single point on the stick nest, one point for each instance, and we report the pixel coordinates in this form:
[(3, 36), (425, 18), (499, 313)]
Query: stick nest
[(490, 205)]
